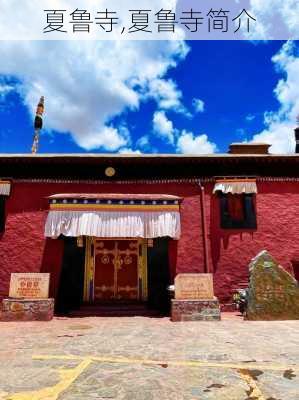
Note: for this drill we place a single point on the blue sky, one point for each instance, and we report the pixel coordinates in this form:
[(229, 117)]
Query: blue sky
[(201, 96)]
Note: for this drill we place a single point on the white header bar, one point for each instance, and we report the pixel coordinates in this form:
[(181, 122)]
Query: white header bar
[(148, 20)]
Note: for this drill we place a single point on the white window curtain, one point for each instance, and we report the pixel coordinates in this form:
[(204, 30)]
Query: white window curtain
[(236, 186), (5, 188)]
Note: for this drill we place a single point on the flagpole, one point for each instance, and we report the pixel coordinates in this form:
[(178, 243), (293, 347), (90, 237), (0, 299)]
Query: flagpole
[(38, 124)]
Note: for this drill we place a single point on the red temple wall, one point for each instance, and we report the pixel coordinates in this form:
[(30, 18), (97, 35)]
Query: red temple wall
[(23, 247), (277, 208)]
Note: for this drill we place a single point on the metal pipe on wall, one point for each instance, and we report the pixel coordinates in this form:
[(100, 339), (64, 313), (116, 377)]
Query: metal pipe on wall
[(204, 229)]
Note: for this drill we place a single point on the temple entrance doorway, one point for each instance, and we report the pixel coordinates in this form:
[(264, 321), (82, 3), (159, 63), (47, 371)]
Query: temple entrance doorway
[(102, 274), (115, 270), (119, 242)]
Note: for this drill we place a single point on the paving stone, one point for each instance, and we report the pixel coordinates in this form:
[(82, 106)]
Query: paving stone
[(139, 396), (233, 341)]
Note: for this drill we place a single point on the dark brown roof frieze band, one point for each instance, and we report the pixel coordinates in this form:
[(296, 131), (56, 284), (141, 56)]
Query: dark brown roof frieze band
[(145, 167)]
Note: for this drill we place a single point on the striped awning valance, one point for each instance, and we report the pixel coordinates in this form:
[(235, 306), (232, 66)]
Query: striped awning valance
[(235, 186), (5, 188), (114, 215)]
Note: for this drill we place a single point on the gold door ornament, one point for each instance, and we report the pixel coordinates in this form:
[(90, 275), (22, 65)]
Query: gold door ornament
[(105, 259)]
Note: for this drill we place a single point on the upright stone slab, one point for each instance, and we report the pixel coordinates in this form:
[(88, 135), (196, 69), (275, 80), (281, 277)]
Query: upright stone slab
[(273, 292), (194, 286), (28, 298), (194, 298), (29, 285)]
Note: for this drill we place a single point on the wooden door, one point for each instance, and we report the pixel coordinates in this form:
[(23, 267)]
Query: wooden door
[(127, 270), (104, 269), (116, 270)]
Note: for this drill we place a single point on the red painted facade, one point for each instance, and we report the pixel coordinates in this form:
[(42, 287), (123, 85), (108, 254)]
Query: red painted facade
[(23, 247)]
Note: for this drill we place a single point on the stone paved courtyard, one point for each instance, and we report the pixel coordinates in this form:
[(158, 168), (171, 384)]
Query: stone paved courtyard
[(139, 358)]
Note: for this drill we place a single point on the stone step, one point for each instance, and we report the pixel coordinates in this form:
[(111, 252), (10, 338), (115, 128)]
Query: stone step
[(81, 314), (114, 310)]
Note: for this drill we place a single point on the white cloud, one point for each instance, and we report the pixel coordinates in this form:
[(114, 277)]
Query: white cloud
[(277, 19), (163, 127), (126, 150), (143, 142), (250, 117), (166, 94), (199, 105), (108, 138), (185, 142), (188, 143), (87, 83), (5, 90), (280, 125), (280, 136)]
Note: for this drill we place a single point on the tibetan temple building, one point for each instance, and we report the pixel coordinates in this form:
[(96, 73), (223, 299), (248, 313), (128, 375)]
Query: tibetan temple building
[(120, 227)]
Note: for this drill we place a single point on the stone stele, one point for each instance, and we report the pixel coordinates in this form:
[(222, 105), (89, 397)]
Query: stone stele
[(273, 292), (29, 285), (194, 287)]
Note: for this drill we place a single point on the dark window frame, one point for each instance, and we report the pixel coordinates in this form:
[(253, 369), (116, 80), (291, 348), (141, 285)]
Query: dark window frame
[(2, 214), (249, 210)]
